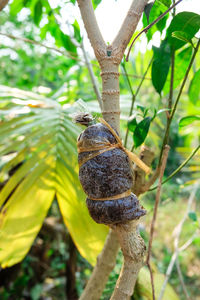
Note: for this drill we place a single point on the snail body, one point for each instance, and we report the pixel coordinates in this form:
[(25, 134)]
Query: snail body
[(106, 177)]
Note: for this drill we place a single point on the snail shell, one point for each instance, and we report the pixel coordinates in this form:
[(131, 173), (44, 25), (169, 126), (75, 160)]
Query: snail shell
[(105, 175)]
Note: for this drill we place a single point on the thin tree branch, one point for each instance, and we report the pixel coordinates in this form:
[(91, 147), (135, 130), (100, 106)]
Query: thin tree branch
[(162, 169), (182, 280), (92, 76), (133, 249), (149, 26), (134, 76), (105, 263), (65, 53), (134, 95), (92, 28), (128, 27), (3, 3), (146, 188), (177, 250)]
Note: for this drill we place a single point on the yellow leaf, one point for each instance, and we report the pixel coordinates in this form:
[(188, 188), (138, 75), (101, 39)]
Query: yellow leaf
[(88, 236), (143, 287), (22, 219)]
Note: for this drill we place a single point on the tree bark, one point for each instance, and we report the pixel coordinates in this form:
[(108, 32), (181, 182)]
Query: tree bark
[(3, 3), (109, 58), (105, 263)]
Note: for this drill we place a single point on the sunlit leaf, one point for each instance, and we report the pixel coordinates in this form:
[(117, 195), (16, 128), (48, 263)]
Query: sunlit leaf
[(181, 35), (96, 3), (77, 33), (46, 159), (22, 220), (188, 120), (194, 89), (16, 6), (144, 290), (71, 201), (156, 10)]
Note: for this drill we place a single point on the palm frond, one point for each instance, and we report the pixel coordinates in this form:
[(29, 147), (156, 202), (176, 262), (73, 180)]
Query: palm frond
[(38, 133)]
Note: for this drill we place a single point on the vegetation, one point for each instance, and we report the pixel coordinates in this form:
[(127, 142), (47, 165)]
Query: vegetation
[(47, 76)]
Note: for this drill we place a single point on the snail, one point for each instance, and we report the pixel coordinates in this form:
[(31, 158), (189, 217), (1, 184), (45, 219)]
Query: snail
[(105, 173)]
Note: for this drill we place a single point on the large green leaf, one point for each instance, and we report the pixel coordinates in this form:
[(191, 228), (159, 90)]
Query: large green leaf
[(194, 89), (141, 131), (153, 11), (44, 142), (160, 65), (188, 120), (186, 22), (182, 60)]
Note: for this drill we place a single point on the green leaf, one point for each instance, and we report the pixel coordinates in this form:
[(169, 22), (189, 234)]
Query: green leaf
[(77, 33), (141, 131), (147, 10), (67, 43), (188, 120), (141, 107), (182, 60), (160, 65), (143, 286), (49, 165), (96, 3), (156, 10), (181, 35), (165, 2), (187, 22), (194, 89), (193, 216), (132, 123), (16, 6), (37, 16)]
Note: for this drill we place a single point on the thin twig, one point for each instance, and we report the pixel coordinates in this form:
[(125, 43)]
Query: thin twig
[(150, 25), (177, 250), (128, 27), (181, 279), (65, 53), (134, 95), (134, 76), (92, 76), (146, 188), (162, 169)]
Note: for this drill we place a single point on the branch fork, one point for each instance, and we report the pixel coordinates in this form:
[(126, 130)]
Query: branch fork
[(109, 58)]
